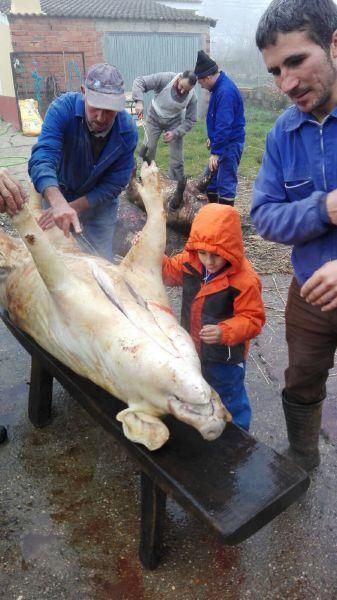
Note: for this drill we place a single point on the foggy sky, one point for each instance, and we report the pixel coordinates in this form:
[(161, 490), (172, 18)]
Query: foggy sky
[(236, 21)]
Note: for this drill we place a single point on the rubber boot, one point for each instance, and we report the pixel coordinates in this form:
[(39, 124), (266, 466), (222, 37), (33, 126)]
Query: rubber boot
[(228, 201), (3, 434), (303, 426), (143, 153), (177, 198), (212, 196)]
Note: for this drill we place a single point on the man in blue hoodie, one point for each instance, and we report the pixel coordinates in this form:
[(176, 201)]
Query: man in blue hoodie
[(225, 129), (84, 157)]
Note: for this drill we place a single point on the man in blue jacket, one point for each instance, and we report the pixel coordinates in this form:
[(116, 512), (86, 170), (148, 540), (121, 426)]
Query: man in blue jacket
[(84, 157), (225, 129), (295, 202)]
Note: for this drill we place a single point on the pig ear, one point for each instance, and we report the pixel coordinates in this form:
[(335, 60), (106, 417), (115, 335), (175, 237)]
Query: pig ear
[(143, 428)]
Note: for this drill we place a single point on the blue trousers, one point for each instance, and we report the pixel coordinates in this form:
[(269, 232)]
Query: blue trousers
[(228, 381), (225, 179), (98, 225)]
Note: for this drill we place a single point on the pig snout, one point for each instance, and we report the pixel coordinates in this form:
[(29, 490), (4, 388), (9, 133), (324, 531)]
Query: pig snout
[(212, 430), (210, 426)]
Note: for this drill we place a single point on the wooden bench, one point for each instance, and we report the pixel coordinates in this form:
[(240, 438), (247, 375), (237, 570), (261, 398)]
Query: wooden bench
[(235, 483)]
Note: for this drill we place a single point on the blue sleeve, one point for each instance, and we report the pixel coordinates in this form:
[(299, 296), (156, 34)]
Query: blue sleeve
[(46, 155), (275, 217), (224, 120)]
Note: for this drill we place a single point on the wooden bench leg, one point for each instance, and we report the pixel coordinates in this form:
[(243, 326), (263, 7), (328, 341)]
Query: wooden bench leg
[(40, 394), (153, 503)]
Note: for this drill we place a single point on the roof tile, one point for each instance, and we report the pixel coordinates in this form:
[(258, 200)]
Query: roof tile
[(144, 10)]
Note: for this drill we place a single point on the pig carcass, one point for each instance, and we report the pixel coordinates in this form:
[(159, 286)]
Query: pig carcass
[(111, 323)]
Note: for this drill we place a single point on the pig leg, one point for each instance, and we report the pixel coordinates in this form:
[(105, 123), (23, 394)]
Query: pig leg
[(143, 261)]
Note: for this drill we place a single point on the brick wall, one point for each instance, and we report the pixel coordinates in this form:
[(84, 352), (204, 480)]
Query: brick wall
[(53, 47), (41, 34), (53, 59)]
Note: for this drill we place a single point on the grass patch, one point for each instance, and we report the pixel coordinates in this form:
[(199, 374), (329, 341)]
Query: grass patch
[(258, 123)]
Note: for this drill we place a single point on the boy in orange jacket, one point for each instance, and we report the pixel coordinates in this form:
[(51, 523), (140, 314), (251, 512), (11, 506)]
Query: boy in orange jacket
[(222, 307)]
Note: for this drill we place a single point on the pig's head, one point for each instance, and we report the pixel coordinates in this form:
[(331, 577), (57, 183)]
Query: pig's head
[(177, 388)]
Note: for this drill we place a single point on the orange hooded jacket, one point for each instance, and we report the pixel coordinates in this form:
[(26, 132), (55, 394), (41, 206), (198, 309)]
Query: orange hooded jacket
[(232, 299)]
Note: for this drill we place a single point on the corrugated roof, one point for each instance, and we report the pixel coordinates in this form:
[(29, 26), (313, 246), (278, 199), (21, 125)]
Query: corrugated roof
[(130, 10), (192, 1)]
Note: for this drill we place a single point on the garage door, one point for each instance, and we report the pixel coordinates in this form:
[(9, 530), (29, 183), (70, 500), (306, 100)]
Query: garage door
[(146, 53)]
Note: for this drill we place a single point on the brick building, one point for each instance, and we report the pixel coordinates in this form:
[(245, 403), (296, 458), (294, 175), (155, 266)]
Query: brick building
[(50, 43)]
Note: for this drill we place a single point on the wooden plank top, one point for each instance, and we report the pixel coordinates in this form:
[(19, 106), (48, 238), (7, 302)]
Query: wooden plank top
[(235, 483)]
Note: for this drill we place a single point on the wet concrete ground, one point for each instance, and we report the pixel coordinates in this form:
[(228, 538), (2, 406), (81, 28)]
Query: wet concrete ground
[(69, 500)]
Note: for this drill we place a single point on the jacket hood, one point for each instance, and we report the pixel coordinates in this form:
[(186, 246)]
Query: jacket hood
[(217, 229)]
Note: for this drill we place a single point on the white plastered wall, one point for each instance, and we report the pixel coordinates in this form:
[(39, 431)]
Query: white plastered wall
[(6, 79)]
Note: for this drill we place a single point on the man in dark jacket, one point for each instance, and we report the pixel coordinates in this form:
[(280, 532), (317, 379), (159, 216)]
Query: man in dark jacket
[(225, 129), (84, 158)]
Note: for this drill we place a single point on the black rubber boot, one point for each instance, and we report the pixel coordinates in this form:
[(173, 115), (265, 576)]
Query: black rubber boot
[(3, 434), (177, 198), (228, 201), (212, 196), (143, 153), (303, 426)]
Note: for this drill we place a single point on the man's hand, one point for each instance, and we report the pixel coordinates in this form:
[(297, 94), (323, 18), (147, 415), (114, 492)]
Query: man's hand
[(321, 288), (210, 334), (139, 108), (331, 206), (213, 162), (168, 136), (64, 216), (12, 194)]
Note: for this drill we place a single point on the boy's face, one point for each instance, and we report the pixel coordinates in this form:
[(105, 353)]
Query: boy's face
[(211, 262), (304, 71)]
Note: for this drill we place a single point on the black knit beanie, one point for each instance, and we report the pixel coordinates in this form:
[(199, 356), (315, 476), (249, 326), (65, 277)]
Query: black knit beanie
[(205, 65)]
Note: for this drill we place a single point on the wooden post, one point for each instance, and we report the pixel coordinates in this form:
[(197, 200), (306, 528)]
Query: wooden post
[(40, 394), (153, 503)]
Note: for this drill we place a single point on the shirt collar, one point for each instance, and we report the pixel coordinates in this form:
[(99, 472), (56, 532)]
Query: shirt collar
[(297, 118)]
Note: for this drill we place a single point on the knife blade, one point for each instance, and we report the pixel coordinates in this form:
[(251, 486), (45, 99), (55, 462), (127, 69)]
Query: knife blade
[(84, 243)]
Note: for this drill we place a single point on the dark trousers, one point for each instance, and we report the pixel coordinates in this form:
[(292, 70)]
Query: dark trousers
[(312, 341)]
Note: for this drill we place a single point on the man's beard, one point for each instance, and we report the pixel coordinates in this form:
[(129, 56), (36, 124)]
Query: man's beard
[(99, 133), (328, 90)]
